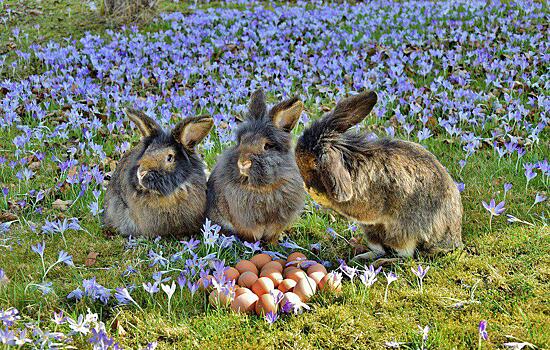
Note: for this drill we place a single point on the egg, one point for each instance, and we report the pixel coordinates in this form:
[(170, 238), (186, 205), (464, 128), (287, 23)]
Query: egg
[(317, 276), (281, 262), (305, 288), (273, 265), (247, 279), (205, 283), (296, 275), (232, 274), (331, 282), (287, 285), (287, 270), (292, 298), (245, 265), (273, 275), (296, 256), (262, 286), (316, 268), (242, 290), (219, 299), (266, 303), (244, 303), (260, 260)]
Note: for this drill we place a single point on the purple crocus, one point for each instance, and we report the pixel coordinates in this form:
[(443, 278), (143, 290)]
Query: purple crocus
[(482, 330), (493, 209), (420, 273), (271, 317)]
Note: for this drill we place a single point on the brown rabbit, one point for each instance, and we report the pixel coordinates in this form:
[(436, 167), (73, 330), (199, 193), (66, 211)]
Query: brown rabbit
[(159, 186), (399, 192), (255, 190)]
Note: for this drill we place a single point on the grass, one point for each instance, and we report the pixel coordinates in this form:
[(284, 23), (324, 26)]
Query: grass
[(501, 275)]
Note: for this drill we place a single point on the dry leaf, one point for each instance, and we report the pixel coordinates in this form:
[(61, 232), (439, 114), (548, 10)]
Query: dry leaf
[(61, 204), (91, 259), (7, 216)]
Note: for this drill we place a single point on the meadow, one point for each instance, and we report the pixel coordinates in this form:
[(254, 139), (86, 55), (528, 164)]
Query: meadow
[(469, 80)]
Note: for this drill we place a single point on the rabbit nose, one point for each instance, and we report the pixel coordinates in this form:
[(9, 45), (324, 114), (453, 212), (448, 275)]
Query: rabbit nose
[(244, 166)]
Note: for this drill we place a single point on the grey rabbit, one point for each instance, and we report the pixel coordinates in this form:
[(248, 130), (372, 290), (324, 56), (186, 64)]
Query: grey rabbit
[(159, 186), (398, 191), (255, 190)]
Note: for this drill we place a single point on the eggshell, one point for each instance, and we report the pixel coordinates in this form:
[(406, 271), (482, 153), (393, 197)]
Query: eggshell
[(287, 270), (262, 286), (260, 260), (329, 282), (317, 276), (281, 262), (246, 265), (219, 299), (201, 283), (287, 285), (316, 268), (273, 275), (305, 288), (296, 275), (247, 279), (242, 290), (296, 256), (273, 265), (290, 297), (232, 274), (265, 304), (244, 303)]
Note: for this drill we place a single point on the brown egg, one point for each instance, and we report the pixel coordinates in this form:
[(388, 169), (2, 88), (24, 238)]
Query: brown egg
[(265, 304), (208, 284), (317, 276), (287, 270), (296, 256), (219, 299), (281, 262), (260, 260), (331, 282), (290, 297), (232, 274), (296, 275), (316, 268), (273, 265), (247, 279), (263, 285), (244, 303), (305, 288), (273, 275), (287, 285), (245, 265), (242, 290)]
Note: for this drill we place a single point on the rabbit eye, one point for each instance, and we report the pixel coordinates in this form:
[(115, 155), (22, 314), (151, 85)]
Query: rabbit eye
[(267, 146), (170, 158)]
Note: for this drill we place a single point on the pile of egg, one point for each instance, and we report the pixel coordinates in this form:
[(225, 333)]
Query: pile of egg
[(263, 284)]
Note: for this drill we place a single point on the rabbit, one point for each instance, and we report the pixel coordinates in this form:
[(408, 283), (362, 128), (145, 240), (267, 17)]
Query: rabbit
[(255, 190), (159, 187), (399, 193)]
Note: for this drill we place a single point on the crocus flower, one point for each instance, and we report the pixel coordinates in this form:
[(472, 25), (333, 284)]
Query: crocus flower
[(420, 273), (493, 209), (482, 329), (271, 317), (390, 277)]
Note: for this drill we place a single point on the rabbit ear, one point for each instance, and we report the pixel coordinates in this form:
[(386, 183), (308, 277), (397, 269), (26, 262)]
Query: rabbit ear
[(146, 125), (192, 130), (285, 115), (257, 106), (335, 176), (352, 110)]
